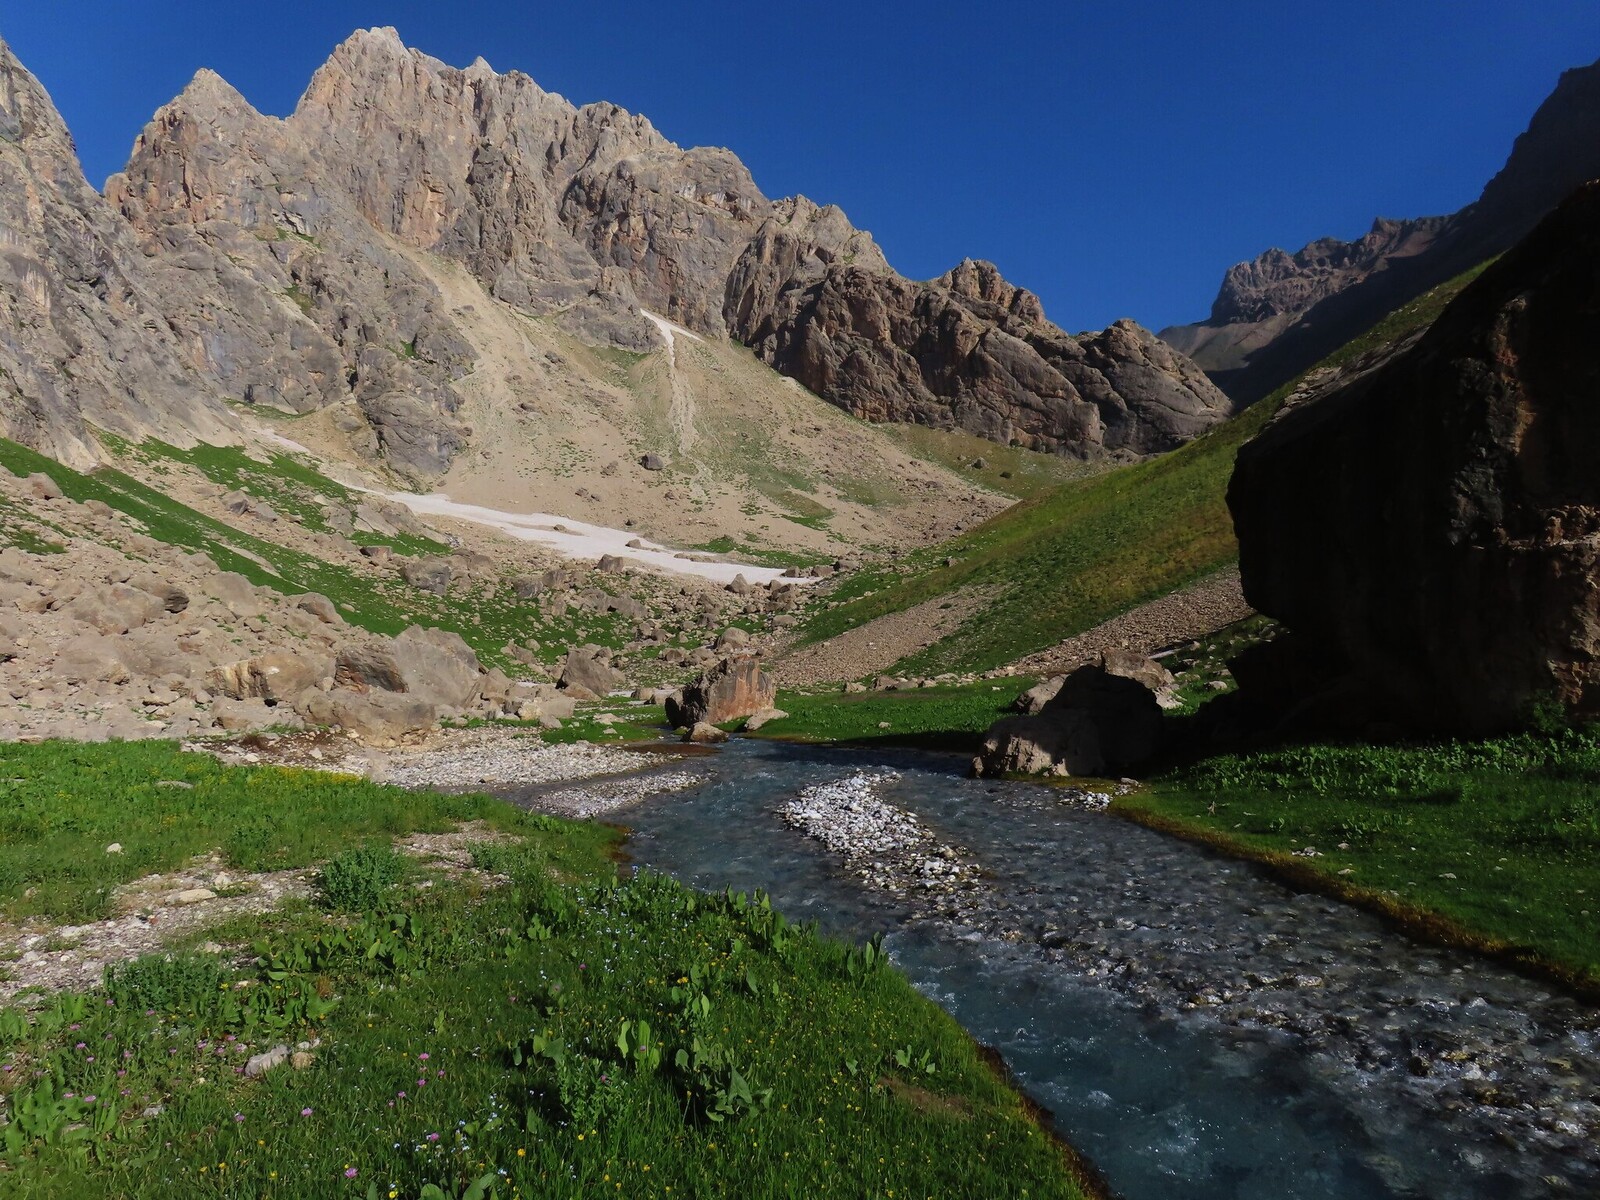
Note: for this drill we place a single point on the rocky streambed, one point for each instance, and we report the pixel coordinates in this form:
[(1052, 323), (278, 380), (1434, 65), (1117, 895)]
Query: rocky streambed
[(1198, 1028)]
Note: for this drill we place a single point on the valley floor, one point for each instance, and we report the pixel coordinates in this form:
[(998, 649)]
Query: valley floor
[(494, 1014)]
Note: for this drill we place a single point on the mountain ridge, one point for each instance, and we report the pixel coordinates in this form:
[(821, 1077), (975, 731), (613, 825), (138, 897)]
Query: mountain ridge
[(1277, 314), (282, 255)]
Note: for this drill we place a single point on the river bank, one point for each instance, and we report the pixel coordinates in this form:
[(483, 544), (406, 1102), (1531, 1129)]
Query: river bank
[(1386, 1067)]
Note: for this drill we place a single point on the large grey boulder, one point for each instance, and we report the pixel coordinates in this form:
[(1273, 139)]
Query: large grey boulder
[(437, 665), (1098, 723), (588, 669), (91, 658), (1428, 519), (115, 608), (431, 575), (276, 676), (434, 665), (377, 716)]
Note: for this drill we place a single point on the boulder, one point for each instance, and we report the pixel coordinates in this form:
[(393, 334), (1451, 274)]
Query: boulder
[(375, 716), (431, 575), (41, 487), (432, 665), (369, 518), (363, 666), (765, 716), (653, 462), (275, 676), (236, 592), (115, 608), (1040, 694), (241, 504), (91, 658), (705, 733), (1431, 516), (732, 638), (736, 687), (174, 599), (589, 668), (240, 716), (320, 607), (1098, 723), (437, 666)]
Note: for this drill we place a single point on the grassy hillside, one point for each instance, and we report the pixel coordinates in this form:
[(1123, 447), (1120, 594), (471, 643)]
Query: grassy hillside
[(1077, 555), (1489, 844)]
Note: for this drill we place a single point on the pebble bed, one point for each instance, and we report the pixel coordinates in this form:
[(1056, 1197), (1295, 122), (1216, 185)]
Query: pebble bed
[(883, 846), (496, 759)]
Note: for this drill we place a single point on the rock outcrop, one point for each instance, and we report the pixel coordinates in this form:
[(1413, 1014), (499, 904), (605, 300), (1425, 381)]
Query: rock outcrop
[(82, 336), (285, 256), (1450, 565), (1281, 313), (736, 687), (967, 351), (1102, 720)]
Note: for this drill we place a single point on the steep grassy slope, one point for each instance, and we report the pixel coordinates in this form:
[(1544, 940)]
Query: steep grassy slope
[(1092, 548)]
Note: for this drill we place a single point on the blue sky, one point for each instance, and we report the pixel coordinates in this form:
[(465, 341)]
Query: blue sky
[(1115, 158)]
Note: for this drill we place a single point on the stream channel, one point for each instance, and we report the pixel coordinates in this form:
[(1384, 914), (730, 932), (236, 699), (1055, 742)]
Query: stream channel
[(1197, 1029)]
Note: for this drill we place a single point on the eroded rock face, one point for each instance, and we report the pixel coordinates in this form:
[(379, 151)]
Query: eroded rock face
[(276, 246), (735, 687), (305, 264), (81, 334), (1451, 562), (967, 351)]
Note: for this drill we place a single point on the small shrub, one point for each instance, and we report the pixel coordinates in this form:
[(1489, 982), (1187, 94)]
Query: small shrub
[(357, 880), (181, 983)]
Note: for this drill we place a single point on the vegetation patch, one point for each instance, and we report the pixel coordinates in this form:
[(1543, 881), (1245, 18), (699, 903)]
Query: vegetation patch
[(1498, 838), (1009, 470), (566, 1034), (952, 718), (63, 803), (487, 616)]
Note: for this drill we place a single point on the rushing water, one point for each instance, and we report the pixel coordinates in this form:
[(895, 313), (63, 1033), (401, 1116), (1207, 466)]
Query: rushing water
[(1197, 1029)]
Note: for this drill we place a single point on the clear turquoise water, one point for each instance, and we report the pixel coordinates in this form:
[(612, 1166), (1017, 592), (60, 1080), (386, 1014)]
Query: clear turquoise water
[(1167, 1103)]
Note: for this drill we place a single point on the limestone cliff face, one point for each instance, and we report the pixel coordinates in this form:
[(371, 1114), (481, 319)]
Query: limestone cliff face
[(302, 263), (278, 288), (82, 342), (967, 351), (1281, 313)]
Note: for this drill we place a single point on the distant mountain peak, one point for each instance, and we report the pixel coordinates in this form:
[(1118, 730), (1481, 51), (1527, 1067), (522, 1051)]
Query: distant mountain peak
[(1279, 313)]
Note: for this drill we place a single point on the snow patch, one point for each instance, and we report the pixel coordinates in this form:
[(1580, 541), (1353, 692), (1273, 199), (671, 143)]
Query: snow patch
[(577, 539), (669, 331)]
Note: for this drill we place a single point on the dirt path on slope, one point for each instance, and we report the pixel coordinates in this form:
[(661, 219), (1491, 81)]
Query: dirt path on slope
[(880, 643), (1199, 609)]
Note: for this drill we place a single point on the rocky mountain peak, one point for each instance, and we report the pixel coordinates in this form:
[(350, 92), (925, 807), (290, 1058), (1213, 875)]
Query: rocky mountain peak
[(82, 342), (304, 264), (1279, 313), (30, 122), (975, 279)]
